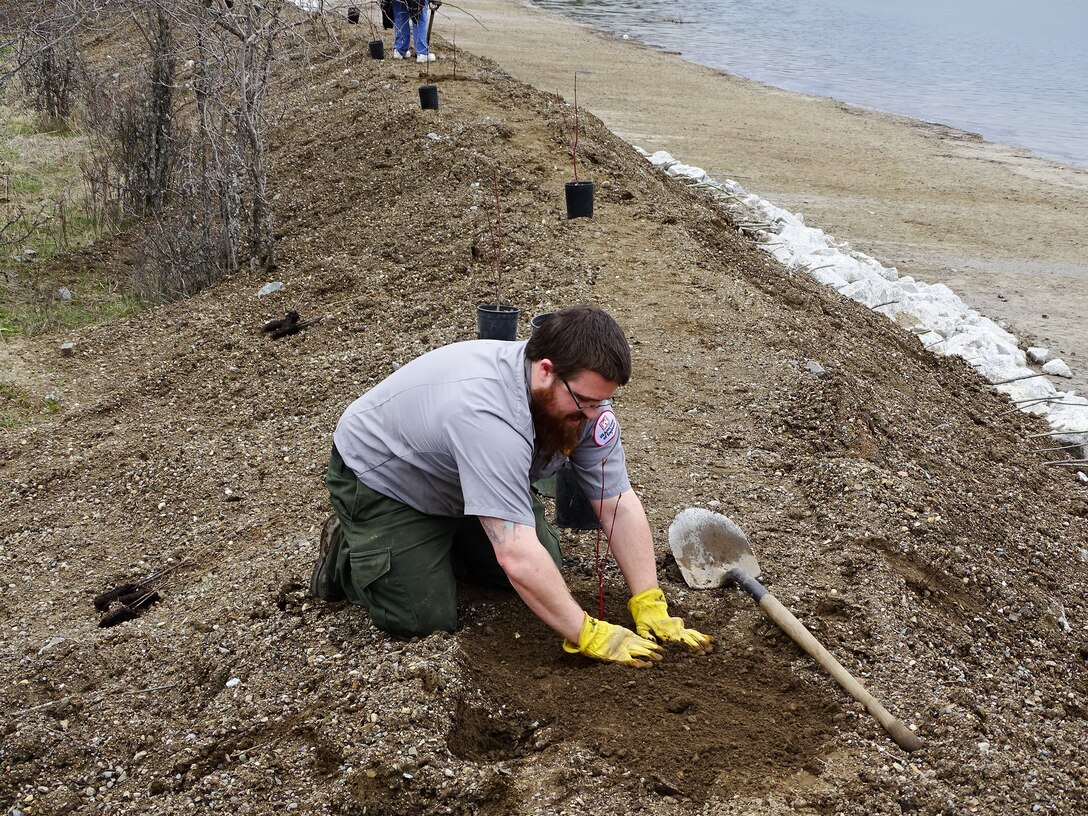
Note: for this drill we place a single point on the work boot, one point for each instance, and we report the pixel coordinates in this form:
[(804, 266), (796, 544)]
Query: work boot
[(323, 583)]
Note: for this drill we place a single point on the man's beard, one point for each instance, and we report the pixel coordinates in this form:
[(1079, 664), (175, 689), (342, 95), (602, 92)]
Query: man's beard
[(554, 435)]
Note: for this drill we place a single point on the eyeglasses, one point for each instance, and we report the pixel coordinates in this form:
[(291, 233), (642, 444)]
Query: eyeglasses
[(588, 406)]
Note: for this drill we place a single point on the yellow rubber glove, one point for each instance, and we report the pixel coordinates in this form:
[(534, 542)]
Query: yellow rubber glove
[(606, 641), (652, 620)]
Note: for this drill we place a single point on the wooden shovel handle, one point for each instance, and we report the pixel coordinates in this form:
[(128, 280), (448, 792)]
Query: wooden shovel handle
[(903, 736)]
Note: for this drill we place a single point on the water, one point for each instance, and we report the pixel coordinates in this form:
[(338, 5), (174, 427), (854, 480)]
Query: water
[(1015, 72)]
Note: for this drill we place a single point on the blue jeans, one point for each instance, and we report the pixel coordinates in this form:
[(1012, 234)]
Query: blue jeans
[(402, 24)]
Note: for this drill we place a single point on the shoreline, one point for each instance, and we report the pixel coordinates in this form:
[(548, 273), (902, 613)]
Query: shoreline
[(742, 67), (1002, 227)]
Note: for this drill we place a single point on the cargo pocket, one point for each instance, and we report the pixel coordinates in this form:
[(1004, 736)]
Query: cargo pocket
[(377, 587), (366, 568), (549, 537), (547, 534)]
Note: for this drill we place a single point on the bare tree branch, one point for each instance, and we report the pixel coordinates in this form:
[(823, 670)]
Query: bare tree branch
[(29, 29)]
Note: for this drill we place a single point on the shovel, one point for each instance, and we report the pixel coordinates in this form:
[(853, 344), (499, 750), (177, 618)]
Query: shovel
[(430, 18), (711, 550)]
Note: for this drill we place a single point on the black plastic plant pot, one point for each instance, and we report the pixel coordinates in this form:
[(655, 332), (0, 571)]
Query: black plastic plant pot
[(428, 97), (538, 321), (572, 509), (495, 322), (579, 199), (377, 49), (353, 15)]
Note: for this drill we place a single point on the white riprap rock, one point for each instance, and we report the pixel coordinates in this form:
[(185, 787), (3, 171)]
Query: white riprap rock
[(1038, 354), (1057, 368)]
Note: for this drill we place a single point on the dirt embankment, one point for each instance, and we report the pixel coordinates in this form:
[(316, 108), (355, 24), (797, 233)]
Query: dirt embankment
[(1002, 227), (895, 503)]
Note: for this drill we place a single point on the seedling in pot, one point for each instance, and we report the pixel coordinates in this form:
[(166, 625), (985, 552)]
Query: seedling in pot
[(428, 91), (376, 45), (579, 194), (495, 321), (575, 130)]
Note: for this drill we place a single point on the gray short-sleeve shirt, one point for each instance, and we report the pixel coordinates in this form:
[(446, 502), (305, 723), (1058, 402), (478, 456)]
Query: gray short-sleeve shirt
[(451, 434)]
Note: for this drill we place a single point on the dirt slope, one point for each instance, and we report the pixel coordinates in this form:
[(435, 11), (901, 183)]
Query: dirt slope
[(1003, 228), (895, 503)]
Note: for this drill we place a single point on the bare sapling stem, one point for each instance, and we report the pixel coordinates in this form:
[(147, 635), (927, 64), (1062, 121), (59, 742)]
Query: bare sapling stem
[(577, 127), (427, 63), (496, 241), (369, 10)]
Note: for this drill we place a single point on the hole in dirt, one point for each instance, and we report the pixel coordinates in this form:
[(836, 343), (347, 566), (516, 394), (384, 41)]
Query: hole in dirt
[(834, 609), (925, 578), (483, 736), (381, 790), (741, 717)]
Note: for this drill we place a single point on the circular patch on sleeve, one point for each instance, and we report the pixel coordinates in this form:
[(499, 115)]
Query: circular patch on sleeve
[(605, 429)]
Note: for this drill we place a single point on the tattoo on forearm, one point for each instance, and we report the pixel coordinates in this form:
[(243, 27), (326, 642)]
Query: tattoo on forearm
[(502, 533)]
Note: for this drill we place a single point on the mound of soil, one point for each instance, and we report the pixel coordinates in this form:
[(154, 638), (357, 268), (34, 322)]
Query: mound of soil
[(896, 503)]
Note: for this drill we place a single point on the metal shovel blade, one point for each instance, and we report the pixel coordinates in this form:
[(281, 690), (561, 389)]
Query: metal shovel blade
[(710, 550), (707, 546)]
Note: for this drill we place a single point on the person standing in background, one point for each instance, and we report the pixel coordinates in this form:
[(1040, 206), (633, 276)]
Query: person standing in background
[(410, 19)]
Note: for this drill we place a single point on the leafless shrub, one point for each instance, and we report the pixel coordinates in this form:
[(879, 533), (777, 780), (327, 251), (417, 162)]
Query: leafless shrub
[(140, 153), (139, 130), (178, 257), (232, 81), (17, 222), (102, 204), (29, 28), (199, 247), (180, 144), (50, 77)]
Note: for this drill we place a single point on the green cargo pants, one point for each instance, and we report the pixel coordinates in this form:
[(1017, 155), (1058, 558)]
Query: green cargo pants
[(403, 565)]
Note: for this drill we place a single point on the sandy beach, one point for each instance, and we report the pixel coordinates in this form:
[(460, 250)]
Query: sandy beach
[(1000, 226)]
